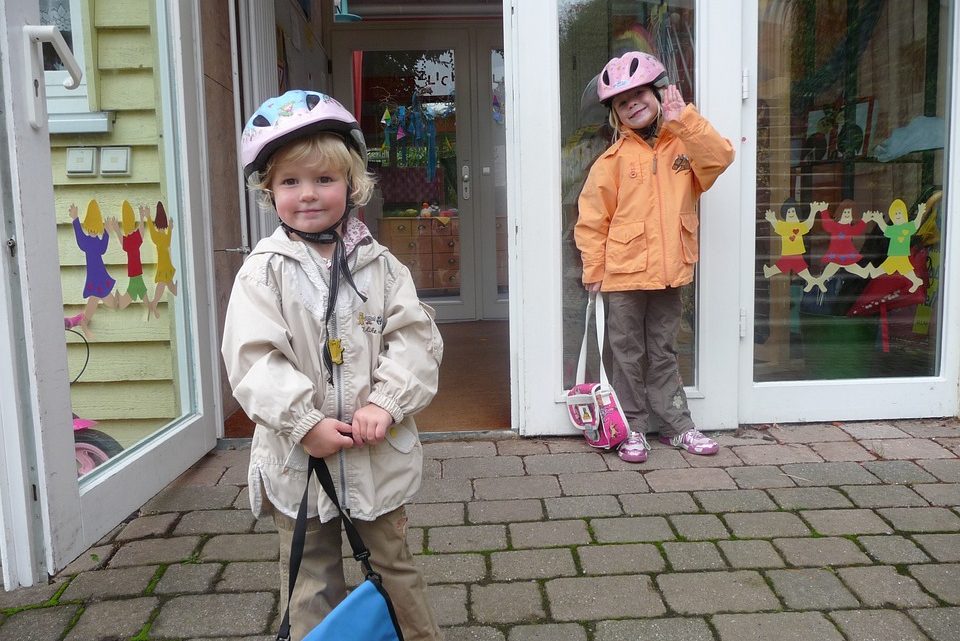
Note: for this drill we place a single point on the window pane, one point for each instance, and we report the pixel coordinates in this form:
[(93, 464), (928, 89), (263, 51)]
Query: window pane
[(56, 13), (851, 137), (592, 32)]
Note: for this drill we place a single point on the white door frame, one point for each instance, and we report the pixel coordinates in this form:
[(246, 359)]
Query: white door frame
[(39, 476), (533, 134), (851, 399)]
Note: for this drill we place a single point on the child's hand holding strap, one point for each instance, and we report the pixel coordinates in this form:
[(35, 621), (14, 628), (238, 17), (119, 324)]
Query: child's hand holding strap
[(370, 424), (673, 103), (327, 437)]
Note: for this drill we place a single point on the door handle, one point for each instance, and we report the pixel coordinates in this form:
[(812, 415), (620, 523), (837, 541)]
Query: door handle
[(33, 38), (465, 181)]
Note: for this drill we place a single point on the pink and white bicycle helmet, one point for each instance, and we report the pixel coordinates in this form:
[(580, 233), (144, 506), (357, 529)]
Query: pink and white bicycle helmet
[(293, 115), (632, 69)]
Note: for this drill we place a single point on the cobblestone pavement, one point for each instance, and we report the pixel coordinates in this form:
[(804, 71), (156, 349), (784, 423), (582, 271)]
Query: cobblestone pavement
[(842, 531)]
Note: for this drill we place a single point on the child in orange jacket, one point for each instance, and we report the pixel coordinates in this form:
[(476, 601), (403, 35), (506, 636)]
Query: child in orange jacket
[(637, 235)]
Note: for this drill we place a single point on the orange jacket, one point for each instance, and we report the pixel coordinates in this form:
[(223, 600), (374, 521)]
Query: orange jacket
[(637, 225)]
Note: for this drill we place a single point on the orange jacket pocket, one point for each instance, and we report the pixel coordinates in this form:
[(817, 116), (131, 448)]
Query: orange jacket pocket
[(688, 237), (626, 249)]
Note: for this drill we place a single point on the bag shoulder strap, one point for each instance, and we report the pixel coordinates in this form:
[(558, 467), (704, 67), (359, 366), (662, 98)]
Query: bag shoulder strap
[(595, 308)]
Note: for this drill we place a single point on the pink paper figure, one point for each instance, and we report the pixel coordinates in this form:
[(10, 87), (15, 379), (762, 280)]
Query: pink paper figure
[(92, 239), (130, 235), (791, 231), (161, 233), (842, 253)]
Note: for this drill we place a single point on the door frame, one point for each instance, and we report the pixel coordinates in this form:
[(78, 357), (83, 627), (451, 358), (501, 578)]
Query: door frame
[(64, 515), (851, 399), (533, 123)]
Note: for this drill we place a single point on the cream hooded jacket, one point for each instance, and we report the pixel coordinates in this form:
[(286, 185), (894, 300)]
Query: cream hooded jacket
[(272, 349)]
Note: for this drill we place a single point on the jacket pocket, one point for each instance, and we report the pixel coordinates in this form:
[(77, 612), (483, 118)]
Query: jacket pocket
[(402, 437), (688, 237), (626, 249)]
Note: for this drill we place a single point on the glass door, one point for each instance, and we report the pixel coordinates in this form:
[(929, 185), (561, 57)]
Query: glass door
[(849, 225), (106, 234)]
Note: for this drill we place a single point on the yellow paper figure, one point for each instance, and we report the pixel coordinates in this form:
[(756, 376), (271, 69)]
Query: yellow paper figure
[(791, 231), (161, 233)]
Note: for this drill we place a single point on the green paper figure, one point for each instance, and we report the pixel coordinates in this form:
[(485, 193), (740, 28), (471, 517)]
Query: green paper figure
[(899, 233)]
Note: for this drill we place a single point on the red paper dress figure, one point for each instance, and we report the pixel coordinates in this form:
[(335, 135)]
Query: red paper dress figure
[(842, 253)]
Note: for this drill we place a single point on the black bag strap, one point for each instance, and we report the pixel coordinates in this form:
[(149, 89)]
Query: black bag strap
[(318, 467)]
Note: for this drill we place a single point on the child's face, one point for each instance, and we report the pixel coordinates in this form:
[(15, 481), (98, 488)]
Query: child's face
[(308, 196), (637, 108)]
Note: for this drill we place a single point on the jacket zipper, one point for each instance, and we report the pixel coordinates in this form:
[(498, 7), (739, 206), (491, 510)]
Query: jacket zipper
[(338, 391), (663, 243)]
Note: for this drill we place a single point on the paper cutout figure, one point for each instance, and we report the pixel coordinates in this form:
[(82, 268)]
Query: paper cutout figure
[(791, 231), (899, 233), (385, 119), (841, 253), (130, 235), (400, 132), (92, 239), (161, 233)]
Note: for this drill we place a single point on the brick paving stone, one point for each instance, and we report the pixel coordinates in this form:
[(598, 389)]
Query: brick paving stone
[(693, 556), (521, 447), (840, 522), (877, 625), (255, 576), (432, 469), (775, 454), (215, 522), (929, 428), (921, 519), (882, 586), (759, 477), (842, 473), (630, 558), (467, 538), (940, 624), (883, 496), (242, 501), (547, 632), (813, 589), (765, 525), (744, 435), (892, 550), (640, 529), (506, 603), (841, 451), (433, 514), (112, 619), (818, 552), (592, 483), (227, 457), (566, 445), (235, 475), (677, 629), (93, 559), (808, 433), (750, 554), (214, 614), (106, 584), (942, 580), (505, 511), (470, 633), (415, 539), (28, 596), (459, 449), (241, 547), (572, 507), (185, 498), (564, 463), (711, 592), (650, 504), (942, 547), (734, 501), (444, 491), (521, 487), (548, 534), (809, 498), (699, 527), (532, 564), (783, 626), (940, 493), (660, 458), (449, 603), (723, 458), (42, 624), (452, 568), (147, 527), (689, 479), (147, 551), (481, 467), (861, 431), (947, 471), (591, 598), (187, 578), (906, 449), (899, 472)]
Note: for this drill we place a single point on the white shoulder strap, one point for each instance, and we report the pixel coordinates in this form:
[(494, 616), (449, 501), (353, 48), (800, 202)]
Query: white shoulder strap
[(595, 306)]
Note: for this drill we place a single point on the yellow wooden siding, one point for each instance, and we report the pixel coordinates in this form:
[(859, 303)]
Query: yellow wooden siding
[(108, 196), (128, 325), (144, 168), (125, 361), (127, 49), (125, 400), (130, 128), (129, 432), (122, 13), (124, 90)]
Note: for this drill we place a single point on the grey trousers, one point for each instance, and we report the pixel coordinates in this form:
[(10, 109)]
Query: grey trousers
[(320, 583), (642, 328)]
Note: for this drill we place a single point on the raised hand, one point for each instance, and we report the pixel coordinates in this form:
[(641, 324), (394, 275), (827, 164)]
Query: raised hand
[(74, 212), (673, 103)]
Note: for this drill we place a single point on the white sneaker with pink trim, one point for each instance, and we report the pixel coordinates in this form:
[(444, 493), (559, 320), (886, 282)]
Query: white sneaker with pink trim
[(692, 441)]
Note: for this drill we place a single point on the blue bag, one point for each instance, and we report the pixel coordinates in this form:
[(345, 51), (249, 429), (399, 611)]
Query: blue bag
[(367, 613)]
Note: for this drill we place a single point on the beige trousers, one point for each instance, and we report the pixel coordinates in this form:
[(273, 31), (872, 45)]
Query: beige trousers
[(320, 583)]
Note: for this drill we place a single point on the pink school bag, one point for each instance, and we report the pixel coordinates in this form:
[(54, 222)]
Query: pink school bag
[(593, 408)]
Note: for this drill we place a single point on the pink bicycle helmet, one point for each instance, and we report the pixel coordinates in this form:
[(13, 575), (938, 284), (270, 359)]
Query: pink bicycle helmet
[(632, 69), (293, 115)]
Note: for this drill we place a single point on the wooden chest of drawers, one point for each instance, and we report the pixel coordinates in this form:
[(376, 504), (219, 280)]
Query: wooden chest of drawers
[(428, 247)]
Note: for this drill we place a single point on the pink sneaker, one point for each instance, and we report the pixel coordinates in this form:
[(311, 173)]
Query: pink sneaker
[(634, 449), (692, 441)]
